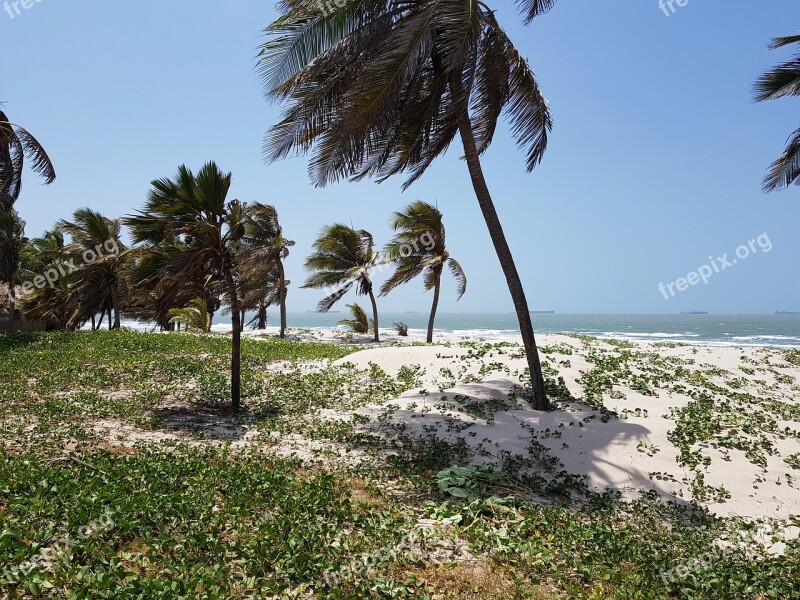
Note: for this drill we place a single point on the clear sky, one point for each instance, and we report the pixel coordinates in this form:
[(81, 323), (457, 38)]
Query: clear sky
[(654, 165)]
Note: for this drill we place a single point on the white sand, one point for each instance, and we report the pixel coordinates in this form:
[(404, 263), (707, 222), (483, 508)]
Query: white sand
[(612, 454)]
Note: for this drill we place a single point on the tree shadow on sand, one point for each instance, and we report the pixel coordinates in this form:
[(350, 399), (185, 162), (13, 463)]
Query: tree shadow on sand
[(499, 427), (213, 420)]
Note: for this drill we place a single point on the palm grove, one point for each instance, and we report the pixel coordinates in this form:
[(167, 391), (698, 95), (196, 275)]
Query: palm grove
[(373, 88)]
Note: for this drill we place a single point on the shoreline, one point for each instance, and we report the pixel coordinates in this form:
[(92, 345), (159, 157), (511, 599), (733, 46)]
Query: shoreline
[(329, 334)]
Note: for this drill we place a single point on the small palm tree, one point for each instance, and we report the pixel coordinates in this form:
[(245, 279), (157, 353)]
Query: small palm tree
[(342, 259), (418, 247), (383, 87), (17, 144), (190, 232), (266, 249), (96, 253), (359, 323), (783, 80), (401, 329), (194, 316)]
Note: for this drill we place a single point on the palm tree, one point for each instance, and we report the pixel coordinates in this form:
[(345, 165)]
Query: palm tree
[(17, 144), (783, 80), (342, 259), (191, 232), (267, 250), (194, 316), (259, 288), (419, 247), (12, 244), (382, 87), (96, 253), (359, 323), (151, 300), (57, 303)]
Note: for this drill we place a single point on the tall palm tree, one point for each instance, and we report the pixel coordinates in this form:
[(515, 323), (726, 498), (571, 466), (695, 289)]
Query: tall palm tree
[(12, 244), (419, 247), (783, 80), (267, 249), (342, 259), (17, 144), (96, 253), (191, 232), (381, 87)]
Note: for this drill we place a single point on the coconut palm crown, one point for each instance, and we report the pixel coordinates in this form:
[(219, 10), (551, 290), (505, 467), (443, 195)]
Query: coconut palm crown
[(17, 144)]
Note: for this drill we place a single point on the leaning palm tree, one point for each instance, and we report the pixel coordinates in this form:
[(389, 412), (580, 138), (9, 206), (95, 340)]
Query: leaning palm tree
[(382, 87), (17, 144), (190, 232), (342, 259), (418, 247), (359, 323), (266, 250), (783, 80), (96, 253)]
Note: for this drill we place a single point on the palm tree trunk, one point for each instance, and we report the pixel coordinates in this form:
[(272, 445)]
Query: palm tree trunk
[(109, 317), (115, 306), (262, 316), (435, 305), (540, 401), (282, 294), (94, 324), (374, 313), (236, 322), (12, 296)]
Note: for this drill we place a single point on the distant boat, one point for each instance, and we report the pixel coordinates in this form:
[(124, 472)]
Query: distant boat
[(695, 312), (786, 312)]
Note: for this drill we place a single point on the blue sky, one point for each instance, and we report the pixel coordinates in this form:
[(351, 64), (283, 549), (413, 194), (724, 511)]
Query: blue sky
[(654, 165)]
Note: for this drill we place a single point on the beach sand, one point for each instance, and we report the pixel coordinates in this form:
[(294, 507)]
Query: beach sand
[(754, 400)]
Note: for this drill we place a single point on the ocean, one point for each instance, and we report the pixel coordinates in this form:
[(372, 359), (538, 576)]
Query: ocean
[(721, 330)]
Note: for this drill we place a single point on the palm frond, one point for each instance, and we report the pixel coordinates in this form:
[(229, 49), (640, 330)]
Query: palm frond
[(359, 323), (785, 171)]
